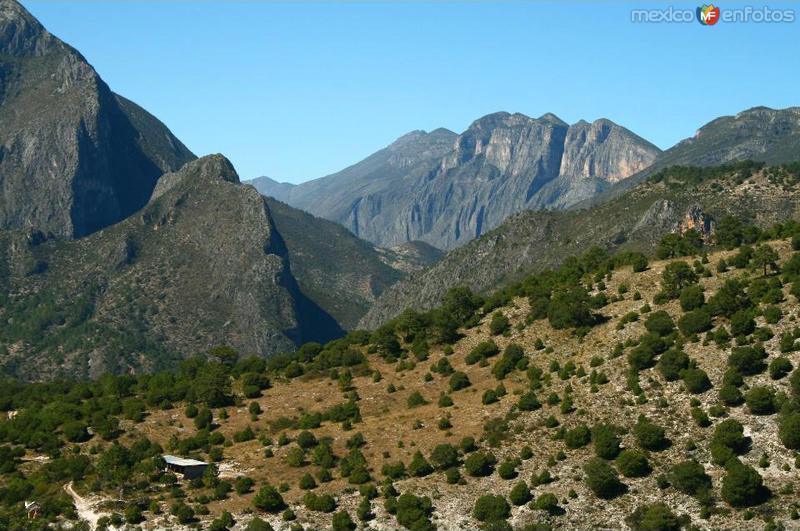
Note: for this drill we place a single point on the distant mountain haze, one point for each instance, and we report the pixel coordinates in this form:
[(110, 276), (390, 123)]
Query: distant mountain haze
[(446, 189)]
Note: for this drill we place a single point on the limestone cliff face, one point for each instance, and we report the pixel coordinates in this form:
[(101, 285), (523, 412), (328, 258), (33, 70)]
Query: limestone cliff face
[(74, 157), (604, 150), (452, 188)]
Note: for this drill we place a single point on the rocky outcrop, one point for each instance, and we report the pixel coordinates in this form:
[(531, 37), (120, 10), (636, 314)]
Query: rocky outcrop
[(74, 157), (446, 189), (696, 219)]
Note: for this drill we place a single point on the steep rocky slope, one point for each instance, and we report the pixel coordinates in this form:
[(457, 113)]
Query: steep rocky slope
[(74, 157), (340, 272), (201, 264), (207, 261), (446, 189), (533, 241)]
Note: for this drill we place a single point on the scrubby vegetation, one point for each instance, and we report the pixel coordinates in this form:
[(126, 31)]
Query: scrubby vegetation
[(546, 396)]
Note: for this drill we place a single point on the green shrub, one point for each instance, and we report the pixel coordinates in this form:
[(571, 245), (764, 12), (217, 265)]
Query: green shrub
[(269, 500), (742, 323), (700, 417), (660, 323), (324, 503), (728, 435), (730, 395), (419, 466), (513, 358), (696, 380), (257, 524), (520, 494), (490, 508), (633, 464), (690, 478), (742, 485), (414, 512), (307, 482), (650, 436), (547, 502), (676, 276), (671, 363), (482, 351), (246, 434), (415, 399), (480, 464), (507, 470), (191, 411), (306, 440), (499, 324), (695, 322), (468, 445), (458, 381), (489, 397), (296, 457), (133, 514), (760, 400), (747, 360), (577, 437), (75, 431), (569, 308), (692, 297), (452, 475), (654, 517), (779, 367), (394, 470), (528, 402), (772, 314), (342, 522), (606, 441), (794, 383), (602, 479), (789, 431), (444, 456)]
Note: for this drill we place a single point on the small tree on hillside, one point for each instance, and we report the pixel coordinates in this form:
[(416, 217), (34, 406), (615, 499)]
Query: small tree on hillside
[(765, 257)]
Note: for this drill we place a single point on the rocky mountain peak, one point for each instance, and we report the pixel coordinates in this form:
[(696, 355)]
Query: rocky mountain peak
[(75, 157), (552, 118), (605, 150), (20, 33), (420, 145), (208, 169), (505, 141)]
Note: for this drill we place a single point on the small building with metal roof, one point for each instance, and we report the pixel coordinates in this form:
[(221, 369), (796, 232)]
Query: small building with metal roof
[(188, 468)]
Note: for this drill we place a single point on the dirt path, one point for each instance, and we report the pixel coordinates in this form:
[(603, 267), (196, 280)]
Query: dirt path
[(83, 506)]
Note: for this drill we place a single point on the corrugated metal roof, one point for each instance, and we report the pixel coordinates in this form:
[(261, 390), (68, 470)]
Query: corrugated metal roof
[(180, 461)]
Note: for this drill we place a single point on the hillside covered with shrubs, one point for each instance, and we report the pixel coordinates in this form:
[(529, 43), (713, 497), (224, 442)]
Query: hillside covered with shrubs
[(617, 390)]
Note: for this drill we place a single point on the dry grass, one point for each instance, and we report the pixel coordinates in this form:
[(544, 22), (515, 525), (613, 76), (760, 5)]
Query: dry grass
[(388, 422)]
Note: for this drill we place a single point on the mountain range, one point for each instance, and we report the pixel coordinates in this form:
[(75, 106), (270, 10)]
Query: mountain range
[(122, 251), (446, 189)]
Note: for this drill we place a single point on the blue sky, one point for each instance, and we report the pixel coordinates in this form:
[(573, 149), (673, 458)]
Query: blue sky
[(297, 91)]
